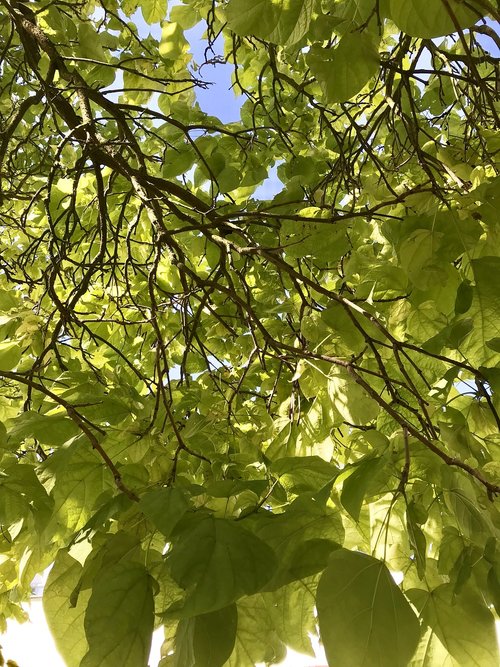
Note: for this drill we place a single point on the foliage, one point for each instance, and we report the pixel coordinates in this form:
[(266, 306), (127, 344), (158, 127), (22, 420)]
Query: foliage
[(220, 412)]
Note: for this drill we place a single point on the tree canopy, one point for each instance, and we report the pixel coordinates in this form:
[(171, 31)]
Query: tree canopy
[(237, 416)]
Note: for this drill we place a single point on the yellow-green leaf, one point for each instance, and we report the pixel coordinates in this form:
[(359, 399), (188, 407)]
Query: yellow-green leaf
[(432, 18), (342, 71), (153, 11), (278, 21), (65, 620), (364, 618), (119, 617)]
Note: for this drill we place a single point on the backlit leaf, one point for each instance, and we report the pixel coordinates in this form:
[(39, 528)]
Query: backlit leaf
[(217, 561), (364, 618), (292, 610), (426, 18), (356, 484), (350, 399), (119, 618), (164, 507), (463, 624), (257, 640), (206, 640), (342, 71), (153, 11), (80, 479), (66, 622), (484, 311), (10, 354), (279, 21), (303, 538)]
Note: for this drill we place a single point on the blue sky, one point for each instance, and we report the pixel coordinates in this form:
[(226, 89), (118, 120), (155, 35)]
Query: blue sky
[(218, 99)]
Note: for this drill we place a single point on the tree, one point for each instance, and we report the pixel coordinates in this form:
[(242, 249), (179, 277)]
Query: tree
[(220, 412)]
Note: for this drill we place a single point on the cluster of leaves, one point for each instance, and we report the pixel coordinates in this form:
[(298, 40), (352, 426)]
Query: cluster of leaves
[(234, 417)]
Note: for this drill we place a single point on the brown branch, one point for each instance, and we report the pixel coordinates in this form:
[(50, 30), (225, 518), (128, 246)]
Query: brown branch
[(491, 489), (83, 424)]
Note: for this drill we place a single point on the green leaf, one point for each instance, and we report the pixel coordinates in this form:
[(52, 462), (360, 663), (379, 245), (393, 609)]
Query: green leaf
[(357, 483), (164, 507), (343, 326), (431, 652), (463, 624), (344, 70), (494, 344), (23, 495), (119, 618), (292, 610), (310, 557), (350, 398), (51, 430), (493, 581), (419, 257), (484, 311), (417, 539), (14, 506), (77, 477), (303, 473), (303, 537), (66, 622), (257, 640), (460, 496), (364, 618), (256, 18), (278, 21), (206, 640), (217, 561), (130, 6), (173, 43), (89, 44), (10, 354), (464, 298), (153, 11), (426, 18), (214, 636)]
